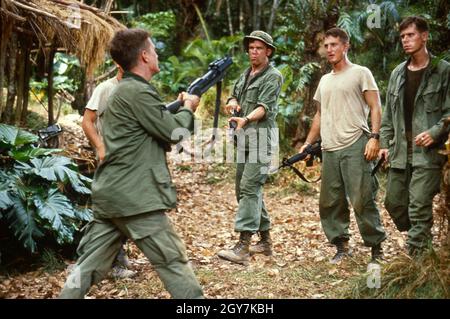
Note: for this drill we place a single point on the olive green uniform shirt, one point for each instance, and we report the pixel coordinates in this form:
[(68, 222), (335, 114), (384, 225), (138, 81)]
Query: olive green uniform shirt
[(261, 90), (431, 108), (137, 130)]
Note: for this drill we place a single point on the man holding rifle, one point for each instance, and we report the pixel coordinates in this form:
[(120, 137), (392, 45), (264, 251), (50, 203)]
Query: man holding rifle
[(132, 187), (254, 98), (344, 97)]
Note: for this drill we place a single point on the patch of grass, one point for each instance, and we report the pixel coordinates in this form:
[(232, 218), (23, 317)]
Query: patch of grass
[(427, 276)]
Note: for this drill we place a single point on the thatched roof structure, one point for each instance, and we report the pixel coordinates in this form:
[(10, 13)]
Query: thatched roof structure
[(81, 29)]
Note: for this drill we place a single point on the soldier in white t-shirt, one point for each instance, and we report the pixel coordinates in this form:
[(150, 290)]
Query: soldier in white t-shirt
[(94, 110), (92, 127), (345, 97)]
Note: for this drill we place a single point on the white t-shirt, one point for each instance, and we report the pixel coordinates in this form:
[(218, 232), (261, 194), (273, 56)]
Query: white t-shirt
[(343, 109), (99, 99)]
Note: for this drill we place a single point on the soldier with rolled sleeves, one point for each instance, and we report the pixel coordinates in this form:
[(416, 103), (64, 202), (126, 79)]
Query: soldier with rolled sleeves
[(132, 187), (412, 131), (254, 96)]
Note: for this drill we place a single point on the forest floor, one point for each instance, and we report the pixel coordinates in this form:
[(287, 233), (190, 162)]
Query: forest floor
[(204, 218)]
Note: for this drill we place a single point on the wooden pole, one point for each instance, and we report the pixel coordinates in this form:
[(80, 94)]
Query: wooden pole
[(5, 33), (20, 84), (26, 81), (7, 115), (50, 91)]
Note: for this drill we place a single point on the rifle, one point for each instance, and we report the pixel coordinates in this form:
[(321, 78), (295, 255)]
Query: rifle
[(215, 75), (47, 135), (315, 150), (377, 166)]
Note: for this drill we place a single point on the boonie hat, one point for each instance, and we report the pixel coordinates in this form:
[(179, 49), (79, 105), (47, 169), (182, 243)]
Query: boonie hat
[(261, 36)]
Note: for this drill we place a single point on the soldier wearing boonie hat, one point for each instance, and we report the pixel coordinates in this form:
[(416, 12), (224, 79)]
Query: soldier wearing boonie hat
[(261, 36), (254, 97)]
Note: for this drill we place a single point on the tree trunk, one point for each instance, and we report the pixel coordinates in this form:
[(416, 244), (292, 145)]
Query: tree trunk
[(20, 84), (241, 17), (5, 33), (273, 13), (26, 83), (230, 21), (255, 15), (7, 116), (50, 90)]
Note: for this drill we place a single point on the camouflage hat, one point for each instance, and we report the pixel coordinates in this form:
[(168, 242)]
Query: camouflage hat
[(261, 36)]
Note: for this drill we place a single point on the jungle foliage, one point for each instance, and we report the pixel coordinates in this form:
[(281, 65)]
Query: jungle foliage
[(41, 192)]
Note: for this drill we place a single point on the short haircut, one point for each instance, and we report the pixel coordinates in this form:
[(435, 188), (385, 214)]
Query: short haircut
[(338, 33), (126, 45), (420, 23)]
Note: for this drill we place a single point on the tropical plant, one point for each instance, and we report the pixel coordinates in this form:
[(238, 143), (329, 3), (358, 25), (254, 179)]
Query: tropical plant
[(161, 26), (41, 192)]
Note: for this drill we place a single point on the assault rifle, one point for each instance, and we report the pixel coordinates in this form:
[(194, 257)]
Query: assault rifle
[(215, 75), (314, 150), (377, 166)]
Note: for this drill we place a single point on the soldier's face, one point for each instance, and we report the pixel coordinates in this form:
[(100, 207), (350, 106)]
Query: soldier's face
[(258, 52), (336, 49), (412, 39), (151, 57)]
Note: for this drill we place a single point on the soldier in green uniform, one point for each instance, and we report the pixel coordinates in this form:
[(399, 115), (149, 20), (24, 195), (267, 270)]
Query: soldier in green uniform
[(254, 96), (132, 187), (344, 97), (412, 131)]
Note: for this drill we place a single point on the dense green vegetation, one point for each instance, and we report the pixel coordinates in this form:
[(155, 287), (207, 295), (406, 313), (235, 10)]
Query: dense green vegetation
[(41, 192), (188, 36)]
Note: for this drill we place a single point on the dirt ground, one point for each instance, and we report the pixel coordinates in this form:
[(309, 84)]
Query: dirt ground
[(204, 219)]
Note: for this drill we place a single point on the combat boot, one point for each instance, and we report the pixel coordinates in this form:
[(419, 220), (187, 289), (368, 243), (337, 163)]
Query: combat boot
[(240, 253), (377, 253), (263, 246), (342, 250)]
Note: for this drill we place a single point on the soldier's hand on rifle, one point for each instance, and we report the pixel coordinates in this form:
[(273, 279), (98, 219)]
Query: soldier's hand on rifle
[(190, 100), (232, 105), (240, 121), (384, 152), (303, 148), (372, 149)]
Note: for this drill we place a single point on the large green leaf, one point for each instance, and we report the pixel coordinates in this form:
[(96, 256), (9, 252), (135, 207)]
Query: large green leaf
[(25, 137), (5, 199), (26, 153), (13, 136), (8, 134), (22, 221), (84, 214), (55, 208), (57, 168)]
